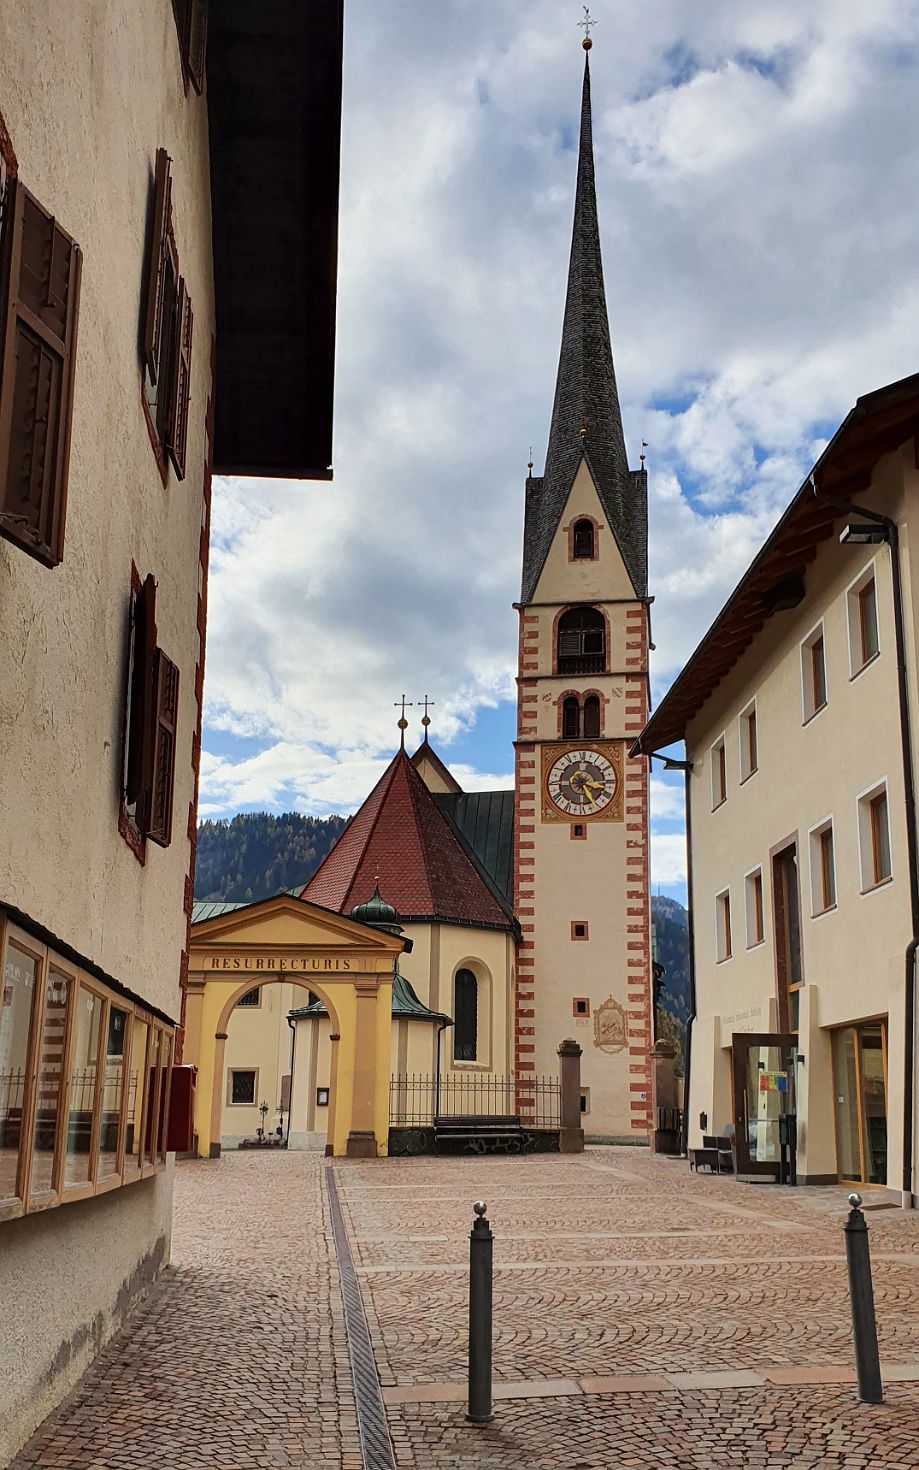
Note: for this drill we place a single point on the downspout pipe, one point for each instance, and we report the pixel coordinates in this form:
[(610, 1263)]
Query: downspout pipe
[(670, 764), (293, 1057), (892, 537)]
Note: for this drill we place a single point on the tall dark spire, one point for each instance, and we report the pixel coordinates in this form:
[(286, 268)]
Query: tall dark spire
[(586, 399)]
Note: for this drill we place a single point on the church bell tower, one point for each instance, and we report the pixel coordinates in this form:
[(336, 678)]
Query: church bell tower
[(581, 818)]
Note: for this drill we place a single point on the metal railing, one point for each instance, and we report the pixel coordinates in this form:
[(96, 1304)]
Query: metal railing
[(416, 1099)]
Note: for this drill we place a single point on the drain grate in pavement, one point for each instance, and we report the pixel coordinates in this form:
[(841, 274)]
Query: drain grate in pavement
[(371, 1416)]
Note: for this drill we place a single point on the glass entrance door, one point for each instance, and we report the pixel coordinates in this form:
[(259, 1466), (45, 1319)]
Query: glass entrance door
[(763, 1069), (860, 1080)]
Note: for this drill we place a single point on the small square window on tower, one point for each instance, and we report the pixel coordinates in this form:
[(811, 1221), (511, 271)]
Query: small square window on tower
[(578, 832), (579, 929), (580, 1006)]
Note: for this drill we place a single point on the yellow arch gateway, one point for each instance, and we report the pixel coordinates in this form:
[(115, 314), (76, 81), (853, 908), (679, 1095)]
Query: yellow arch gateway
[(350, 967)]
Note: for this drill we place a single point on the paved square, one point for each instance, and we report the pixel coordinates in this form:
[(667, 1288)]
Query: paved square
[(643, 1317)]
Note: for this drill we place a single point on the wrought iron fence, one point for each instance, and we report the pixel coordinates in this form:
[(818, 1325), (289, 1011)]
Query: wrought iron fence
[(417, 1099)]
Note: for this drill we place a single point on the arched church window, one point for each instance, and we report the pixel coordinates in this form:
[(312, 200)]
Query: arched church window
[(591, 717), (571, 718), (583, 539), (581, 641), (465, 1016)]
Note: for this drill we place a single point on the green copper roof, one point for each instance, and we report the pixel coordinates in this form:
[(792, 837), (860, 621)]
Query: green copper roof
[(375, 911), (209, 909), (405, 1005)]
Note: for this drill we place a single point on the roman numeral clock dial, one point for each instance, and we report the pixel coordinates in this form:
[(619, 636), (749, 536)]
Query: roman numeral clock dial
[(582, 782)]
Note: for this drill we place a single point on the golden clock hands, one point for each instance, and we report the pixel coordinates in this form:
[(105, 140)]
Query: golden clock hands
[(595, 786)]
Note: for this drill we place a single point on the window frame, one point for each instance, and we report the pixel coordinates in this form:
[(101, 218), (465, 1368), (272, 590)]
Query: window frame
[(866, 803), (580, 924), (758, 907), (749, 748), (251, 1005), (50, 961), (816, 848), (578, 523), (231, 1073), (724, 938), (476, 1059), (810, 709), (718, 750), (855, 619)]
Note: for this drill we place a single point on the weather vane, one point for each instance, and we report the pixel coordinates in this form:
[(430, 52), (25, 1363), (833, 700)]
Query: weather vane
[(530, 461), (586, 26), (426, 718), (644, 445), (403, 722)]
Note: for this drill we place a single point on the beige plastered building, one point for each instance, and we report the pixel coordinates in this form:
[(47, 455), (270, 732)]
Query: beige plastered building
[(114, 167), (801, 737)]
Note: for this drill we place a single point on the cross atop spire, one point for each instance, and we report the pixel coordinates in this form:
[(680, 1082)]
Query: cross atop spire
[(586, 395)]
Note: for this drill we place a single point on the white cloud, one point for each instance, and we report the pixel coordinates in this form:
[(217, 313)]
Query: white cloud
[(757, 171), (668, 859)]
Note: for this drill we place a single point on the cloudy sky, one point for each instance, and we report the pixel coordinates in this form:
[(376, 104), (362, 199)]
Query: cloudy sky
[(758, 179)]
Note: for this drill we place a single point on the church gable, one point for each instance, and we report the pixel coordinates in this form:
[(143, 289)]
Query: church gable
[(402, 840), (584, 562)]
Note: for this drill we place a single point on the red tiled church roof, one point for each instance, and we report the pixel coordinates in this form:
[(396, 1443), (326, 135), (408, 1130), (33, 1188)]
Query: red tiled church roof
[(401, 837)]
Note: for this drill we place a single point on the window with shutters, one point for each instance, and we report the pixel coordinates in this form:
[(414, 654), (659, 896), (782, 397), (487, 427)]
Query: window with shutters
[(39, 302), (581, 645), (465, 1016), (571, 718), (151, 718), (167, 333), (580, 717), (191, 25)]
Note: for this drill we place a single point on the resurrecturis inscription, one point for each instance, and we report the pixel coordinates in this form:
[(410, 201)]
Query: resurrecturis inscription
[(273, 962)]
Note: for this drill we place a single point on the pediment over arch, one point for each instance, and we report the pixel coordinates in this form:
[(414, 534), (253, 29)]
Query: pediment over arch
[(285, 923)]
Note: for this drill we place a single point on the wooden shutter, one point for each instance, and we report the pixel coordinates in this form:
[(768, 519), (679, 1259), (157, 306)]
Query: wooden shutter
[(161, 747), (143, 642), (177, 422), (569, 642), (39, 303), (194, 41), (158, 259)]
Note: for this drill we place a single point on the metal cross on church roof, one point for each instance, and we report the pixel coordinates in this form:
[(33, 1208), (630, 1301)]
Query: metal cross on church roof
[(403, 722), (586, 25), (426, 718)]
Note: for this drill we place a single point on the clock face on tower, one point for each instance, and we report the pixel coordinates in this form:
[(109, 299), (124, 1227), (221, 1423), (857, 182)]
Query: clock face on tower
[(582, 782)]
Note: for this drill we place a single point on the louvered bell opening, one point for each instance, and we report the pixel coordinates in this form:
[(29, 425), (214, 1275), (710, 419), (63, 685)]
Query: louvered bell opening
[(581, 642)]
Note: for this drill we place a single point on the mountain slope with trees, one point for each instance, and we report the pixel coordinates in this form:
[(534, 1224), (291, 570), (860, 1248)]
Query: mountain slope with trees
[(254, 855)]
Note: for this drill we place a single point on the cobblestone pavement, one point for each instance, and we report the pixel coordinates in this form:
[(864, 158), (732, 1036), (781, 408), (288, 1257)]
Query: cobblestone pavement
[(643, 1317), (237, 1360)]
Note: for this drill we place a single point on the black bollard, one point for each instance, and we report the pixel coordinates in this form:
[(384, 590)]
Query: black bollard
[(480, 1262), (861, 1296)]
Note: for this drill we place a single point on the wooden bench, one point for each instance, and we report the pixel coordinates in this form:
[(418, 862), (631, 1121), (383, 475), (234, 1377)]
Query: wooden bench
[(479, 1134)]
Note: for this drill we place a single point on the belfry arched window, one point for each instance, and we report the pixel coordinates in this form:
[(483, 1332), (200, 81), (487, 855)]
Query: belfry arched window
[(465, 1016), (580, 717), (571, 718), (581, 641), (583, 541), (591, 720)]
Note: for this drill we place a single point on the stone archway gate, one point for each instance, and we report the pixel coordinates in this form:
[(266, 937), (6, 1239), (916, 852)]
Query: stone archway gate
[(349, 965)]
